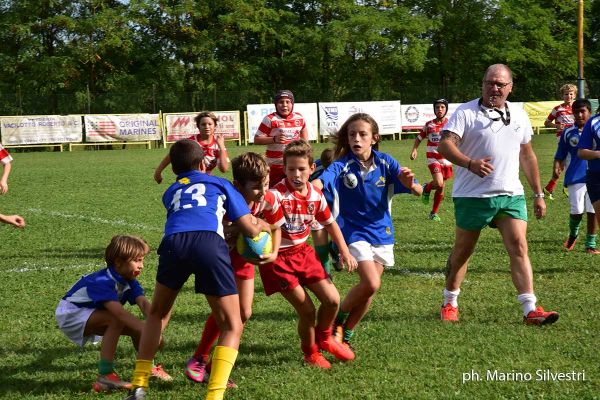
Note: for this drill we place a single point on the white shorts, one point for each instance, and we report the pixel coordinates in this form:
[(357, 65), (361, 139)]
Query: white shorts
[(381, 253), (579, 199), (71, 321)]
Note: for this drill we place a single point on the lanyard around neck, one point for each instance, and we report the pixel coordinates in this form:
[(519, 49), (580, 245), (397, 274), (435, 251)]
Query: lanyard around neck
[(500, 117)]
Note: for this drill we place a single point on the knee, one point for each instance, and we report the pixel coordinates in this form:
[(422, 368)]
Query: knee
[(331, 301), (245, 314), (307, 313), (370, 287)]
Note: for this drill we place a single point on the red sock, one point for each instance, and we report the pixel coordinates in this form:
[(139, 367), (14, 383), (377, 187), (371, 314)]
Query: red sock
[(437, 200), (551, 185), (309, 349), (427, 188), (209, 335)]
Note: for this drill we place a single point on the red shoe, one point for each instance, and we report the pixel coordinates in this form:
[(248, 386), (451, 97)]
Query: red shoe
[(589, 250), (338, 350), (159, 373), (540, 317), (449, 313), (569, 244), (317, 360)]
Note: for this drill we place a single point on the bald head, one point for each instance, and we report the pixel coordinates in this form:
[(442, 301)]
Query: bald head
[(497, 67)]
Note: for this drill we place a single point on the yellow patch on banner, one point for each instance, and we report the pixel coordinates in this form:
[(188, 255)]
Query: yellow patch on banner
[(184, 181)]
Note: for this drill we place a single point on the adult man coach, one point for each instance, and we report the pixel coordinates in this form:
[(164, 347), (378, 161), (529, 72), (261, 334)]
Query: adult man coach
[(489, 139)]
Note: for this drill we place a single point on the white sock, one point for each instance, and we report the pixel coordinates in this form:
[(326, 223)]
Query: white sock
[(528, 301), (451, 297)]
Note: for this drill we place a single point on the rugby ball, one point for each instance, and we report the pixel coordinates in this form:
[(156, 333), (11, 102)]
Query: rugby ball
[(253, 248)]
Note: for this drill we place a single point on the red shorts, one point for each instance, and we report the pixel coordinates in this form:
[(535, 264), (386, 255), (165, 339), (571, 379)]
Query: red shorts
[(241, 267), (298, 265), (445, 170), (276, 175)]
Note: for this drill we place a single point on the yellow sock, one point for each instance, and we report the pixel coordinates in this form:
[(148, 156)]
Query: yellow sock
[(222, 363), (141, 374)]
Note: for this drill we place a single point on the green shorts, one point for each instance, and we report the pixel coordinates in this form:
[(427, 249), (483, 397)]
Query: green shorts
[(474, 213)]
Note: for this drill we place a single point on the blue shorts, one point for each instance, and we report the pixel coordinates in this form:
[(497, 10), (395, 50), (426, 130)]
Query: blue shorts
[(204, 254), (592, 182)]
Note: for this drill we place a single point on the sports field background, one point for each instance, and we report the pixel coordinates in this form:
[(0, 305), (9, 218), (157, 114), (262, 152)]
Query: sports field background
[(75, 202)]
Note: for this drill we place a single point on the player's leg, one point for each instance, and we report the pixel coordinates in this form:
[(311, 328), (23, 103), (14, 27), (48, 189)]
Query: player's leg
[(513, 232), (321, 244), (556, 171), (429, 186), (226, 310), (305, 309), (438, 186), (592, 227)]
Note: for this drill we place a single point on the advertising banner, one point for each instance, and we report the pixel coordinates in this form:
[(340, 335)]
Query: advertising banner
[(124, 127), (415, 116), (40, 130), (256, 113), (538, 111), (182, 125), (387, 114)]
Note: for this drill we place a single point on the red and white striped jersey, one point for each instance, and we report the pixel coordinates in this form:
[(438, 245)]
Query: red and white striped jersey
[(274, 125), (5, 157), (432, 130), (563, 114), (211, 152), (299, 212), (265, 210)]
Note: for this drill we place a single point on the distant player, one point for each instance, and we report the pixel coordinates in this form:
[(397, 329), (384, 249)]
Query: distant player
[(5, 160), (440, 168), (575, 174), (297, 268), (560, 118), (194, 243), (251, 179), (589, 149), (278, 129), (94, 307), (213, 146)]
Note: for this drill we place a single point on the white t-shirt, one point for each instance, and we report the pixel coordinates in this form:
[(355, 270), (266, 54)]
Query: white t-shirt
[(482, 137)]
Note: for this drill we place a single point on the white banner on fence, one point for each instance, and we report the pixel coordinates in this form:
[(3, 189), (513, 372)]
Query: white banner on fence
[(124, 127), (256, 113), (182, 125), (387, 114), (40, 130)]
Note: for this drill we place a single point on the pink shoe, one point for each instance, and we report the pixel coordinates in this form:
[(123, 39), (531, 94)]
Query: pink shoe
[(540, 317), (195, 370), (449, 313)]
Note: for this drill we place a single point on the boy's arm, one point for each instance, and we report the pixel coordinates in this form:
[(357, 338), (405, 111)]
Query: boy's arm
[(407, 178), (127, 318), (143, 304), (304, 134), (276, 242), (252, 226), (336, 235), (15, 220), (223, 156), (587, 154), (159, 169), (4, 179)]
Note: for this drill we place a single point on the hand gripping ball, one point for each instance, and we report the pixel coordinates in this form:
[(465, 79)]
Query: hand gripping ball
[(253, 248)]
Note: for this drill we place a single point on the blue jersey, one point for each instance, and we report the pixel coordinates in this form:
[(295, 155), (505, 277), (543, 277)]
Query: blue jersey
[(318, 171), (590, 139), (197, 202), (567, 152), (91, 291), (364, 203)]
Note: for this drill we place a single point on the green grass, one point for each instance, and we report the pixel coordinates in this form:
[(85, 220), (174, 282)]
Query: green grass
[(75, 202)]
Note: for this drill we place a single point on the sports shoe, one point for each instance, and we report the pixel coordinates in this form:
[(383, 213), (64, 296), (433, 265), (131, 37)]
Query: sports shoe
[(338, 350), (569, 244), (548, 194), (566, 191), (195, 370), (337, 332), (317, 360), (590, 250), (159, 373), (435, 217), (425, 196), (449, 313), (110, 382), (540, 317), (139, 393)]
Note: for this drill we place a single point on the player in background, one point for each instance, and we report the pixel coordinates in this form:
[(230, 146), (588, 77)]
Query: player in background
[(589, 149), (93, 308), (194, 243), (576, 168), (5, 160), (560, 118), (213, 146), (297, 268), (278, 129), (251, 179), (362, 181), (440, 168)]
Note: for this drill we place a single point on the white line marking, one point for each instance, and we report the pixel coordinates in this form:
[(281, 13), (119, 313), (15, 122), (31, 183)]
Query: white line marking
[(94, 219), (36, 268)]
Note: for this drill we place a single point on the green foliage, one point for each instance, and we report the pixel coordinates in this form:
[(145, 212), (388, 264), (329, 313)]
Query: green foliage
[(75, 202)]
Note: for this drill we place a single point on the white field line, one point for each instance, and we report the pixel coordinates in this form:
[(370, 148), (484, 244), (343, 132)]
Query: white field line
[(429, 275), (119, 222), (37, 268)]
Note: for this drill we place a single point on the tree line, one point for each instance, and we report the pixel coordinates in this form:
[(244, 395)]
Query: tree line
[(64, 56)]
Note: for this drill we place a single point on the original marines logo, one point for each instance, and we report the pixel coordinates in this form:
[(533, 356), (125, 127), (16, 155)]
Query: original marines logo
[(411, 114), (350, 180), (311, 209), (287, 207)]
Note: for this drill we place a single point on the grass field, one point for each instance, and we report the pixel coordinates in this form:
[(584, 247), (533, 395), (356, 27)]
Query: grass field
[(75, 202)]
